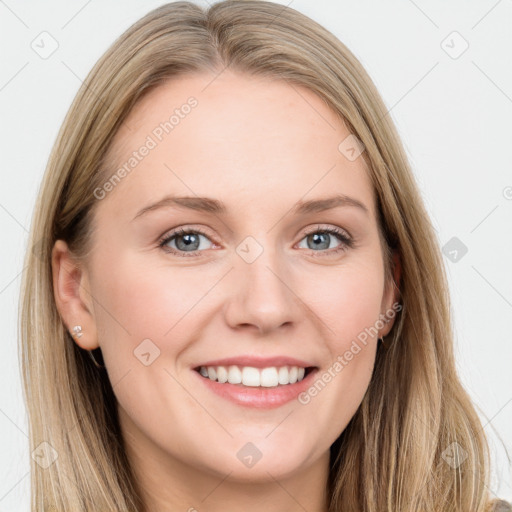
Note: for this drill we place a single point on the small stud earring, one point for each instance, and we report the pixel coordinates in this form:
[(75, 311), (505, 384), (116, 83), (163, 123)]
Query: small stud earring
[(77, 331)]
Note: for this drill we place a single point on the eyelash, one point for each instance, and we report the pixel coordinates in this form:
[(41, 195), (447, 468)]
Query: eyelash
[(346, 241)]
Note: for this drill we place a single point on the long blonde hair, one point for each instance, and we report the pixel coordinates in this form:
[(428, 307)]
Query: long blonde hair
[(392, 455)]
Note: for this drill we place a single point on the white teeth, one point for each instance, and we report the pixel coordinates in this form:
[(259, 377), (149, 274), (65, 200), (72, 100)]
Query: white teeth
[(293, 374), (234, 375), (250, 376), (254, 377), (222, 374), (268, 377), (283, 375)]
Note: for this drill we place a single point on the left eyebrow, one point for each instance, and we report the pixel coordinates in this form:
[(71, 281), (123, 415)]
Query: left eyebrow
[(320, 205), (209, 205)]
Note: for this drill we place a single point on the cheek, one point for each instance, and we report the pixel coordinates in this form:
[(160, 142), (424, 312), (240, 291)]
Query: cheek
[(347, 299), (137, 302), (348, 305)]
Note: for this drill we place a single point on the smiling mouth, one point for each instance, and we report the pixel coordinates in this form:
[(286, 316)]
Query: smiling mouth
[(248, 376)]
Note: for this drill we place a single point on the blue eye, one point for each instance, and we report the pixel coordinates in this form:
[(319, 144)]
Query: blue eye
[(185, 240), (320, 235), (188, 242)]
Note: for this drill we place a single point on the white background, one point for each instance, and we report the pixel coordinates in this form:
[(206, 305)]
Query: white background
[(454, 115)]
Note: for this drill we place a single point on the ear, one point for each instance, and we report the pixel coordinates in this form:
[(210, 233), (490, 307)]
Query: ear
[(72, 297), (391, 295)]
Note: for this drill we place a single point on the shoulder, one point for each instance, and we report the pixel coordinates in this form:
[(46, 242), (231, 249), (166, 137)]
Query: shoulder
[(499, 506)]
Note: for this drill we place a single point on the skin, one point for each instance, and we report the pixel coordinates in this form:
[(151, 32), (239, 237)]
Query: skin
[(259, 146)]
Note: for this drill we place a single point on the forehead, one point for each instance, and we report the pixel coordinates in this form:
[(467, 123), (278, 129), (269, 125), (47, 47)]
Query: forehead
[(242, 139)]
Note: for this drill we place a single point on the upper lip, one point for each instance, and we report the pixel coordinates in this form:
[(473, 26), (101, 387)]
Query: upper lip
[(258, 362)]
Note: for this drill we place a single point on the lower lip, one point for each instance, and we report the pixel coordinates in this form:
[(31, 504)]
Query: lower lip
[(260, 397)]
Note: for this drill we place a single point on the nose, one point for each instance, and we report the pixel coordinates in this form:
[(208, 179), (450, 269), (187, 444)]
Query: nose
[(261, 295)]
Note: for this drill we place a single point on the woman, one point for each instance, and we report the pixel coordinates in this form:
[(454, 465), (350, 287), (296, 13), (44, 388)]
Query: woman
[(196, 344)]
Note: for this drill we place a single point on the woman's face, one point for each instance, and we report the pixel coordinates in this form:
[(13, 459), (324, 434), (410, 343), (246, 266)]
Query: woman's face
[(255, 276)]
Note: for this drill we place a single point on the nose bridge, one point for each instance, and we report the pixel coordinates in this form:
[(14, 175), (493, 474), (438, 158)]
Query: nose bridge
[(261, 293)]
